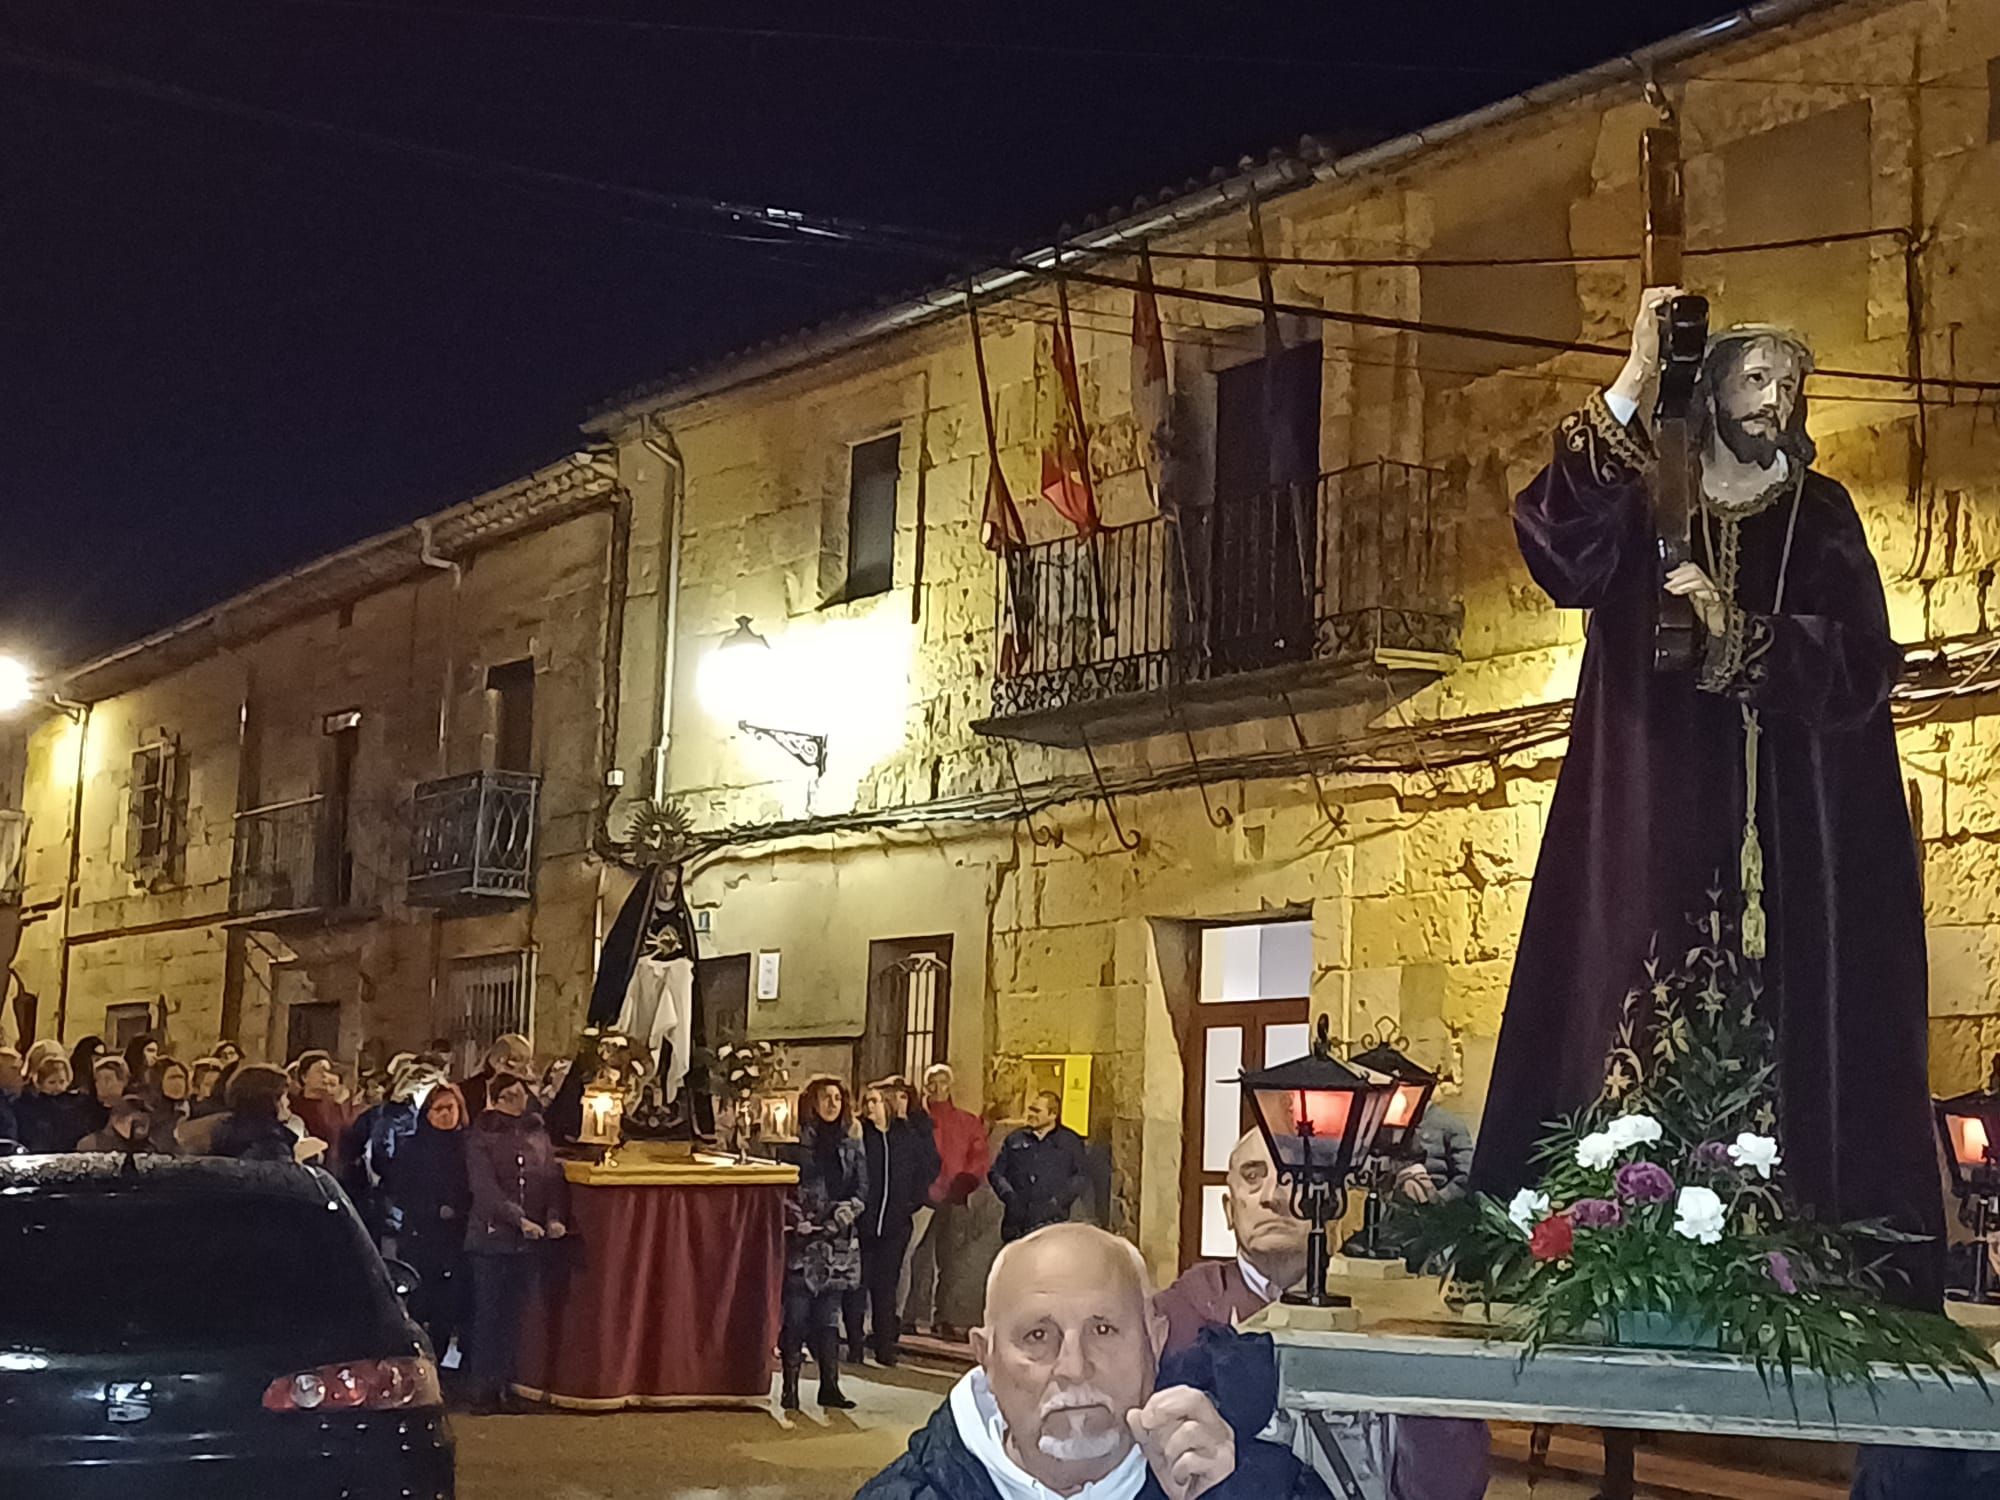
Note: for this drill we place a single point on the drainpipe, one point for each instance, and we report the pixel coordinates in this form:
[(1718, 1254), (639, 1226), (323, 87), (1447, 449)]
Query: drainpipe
[(660, 443), (428, 555), (75, 871), (617, 586)]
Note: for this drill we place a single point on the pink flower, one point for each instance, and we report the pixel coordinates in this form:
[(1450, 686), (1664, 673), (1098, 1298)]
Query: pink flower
[(1596, 1213), (1779, 1265), (1643, 1182)]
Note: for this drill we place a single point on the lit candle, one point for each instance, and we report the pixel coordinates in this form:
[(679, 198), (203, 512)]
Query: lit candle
[(602, 1116)]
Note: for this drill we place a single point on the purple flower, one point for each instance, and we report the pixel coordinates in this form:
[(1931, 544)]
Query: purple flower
[(1779, 1265), (1712, 1154), (1643, 1182), (1596, 1213)]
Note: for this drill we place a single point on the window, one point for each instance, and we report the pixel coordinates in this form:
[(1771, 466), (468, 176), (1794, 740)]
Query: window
[(909, 1007), (1252, 1012), (126, 1021), (153, 809), (491, 995), (511, 687), (871, 516), (1809, 179)]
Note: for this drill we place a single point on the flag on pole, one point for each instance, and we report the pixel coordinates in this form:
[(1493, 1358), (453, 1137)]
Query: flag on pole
[(1152, 400), (1000, 528), (1066, 480)]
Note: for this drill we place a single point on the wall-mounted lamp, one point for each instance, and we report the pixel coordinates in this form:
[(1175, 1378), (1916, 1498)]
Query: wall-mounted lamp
[(736, 683), (20, 689)]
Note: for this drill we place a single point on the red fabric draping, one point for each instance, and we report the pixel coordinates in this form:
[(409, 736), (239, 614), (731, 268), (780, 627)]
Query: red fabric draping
[(661, 1293)]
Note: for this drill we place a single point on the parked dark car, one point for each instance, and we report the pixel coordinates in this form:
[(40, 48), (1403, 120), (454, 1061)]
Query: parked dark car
[(201, 1327)]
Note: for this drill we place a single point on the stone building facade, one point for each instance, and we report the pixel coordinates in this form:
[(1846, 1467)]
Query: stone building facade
[(1183, 736), (353, 807)]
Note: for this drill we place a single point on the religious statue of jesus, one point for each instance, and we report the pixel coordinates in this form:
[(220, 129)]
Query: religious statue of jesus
[(1768, 772)]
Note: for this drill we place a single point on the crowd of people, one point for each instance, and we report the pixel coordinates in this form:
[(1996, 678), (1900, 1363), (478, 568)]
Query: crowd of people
[(458, 1180)]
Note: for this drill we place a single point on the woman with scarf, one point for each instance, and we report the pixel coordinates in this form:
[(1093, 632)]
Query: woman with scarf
[(168, 1091), (519, 1202), (426, 1178), (822, 1239)]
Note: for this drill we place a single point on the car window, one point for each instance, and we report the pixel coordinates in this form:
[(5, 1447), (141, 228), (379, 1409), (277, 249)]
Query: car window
[(89, 1272)]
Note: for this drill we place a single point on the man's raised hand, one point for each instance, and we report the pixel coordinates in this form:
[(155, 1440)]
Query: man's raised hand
[(1187, 1444)]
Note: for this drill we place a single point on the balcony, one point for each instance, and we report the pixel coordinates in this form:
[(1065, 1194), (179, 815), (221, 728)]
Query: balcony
[(473, 839), (290, 858), (1316, 595)]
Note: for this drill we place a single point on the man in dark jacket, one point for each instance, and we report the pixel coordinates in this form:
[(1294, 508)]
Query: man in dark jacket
[(902, 1162), (1069, 1393), (1039, 1173)]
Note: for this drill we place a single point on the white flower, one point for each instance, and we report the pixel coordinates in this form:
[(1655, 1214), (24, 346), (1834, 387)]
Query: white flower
[(1698, 1215), (1596, 1150), (1634, 1130), (1758, 1153), (1528, 1209)]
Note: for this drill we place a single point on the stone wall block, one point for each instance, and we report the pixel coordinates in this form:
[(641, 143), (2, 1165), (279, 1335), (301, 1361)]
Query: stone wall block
[(1964, 970)]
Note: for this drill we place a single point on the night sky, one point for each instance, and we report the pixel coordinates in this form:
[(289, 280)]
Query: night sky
[(229, 343)]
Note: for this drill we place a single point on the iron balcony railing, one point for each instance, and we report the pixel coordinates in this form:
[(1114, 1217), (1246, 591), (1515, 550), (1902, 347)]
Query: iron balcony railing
[(288, 857), (1346, 569), (474, 836)]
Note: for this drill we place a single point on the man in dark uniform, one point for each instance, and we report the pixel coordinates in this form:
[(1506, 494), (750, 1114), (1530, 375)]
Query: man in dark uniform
[(1039, 1173)]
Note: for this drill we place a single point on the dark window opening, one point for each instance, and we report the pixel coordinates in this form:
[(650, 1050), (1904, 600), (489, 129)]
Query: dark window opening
[(871, 517), (153, 809), (337, 834), (1263, 537), (512, 685), (909, 1007)]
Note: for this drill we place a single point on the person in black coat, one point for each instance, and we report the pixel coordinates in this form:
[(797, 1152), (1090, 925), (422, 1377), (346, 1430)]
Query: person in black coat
[(427, 1180), (1070, 1392), (49, 1117), (902, 1160), (258, 1127), (1040, 1171)]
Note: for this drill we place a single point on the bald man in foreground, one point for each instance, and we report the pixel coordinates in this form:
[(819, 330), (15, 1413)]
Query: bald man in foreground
[(1063, 1402)]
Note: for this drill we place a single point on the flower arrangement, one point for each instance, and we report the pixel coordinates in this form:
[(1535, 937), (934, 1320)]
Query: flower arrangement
[(743, 1070), (1661, 1215)]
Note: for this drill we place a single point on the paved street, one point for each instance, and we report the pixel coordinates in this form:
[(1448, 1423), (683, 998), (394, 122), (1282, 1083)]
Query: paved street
[(729, 1455)]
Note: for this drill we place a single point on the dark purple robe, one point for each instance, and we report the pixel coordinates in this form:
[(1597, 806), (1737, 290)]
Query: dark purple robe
[(1648, 815)]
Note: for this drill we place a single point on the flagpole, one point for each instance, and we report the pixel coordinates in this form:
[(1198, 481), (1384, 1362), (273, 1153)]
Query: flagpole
[(1008, 524), (1073, 394), (1171, 515)]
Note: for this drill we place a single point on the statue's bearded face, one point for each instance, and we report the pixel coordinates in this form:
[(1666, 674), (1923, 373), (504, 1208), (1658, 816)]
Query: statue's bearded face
[(1755, 398)]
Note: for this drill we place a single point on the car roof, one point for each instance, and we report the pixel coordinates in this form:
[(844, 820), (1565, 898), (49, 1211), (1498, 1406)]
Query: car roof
[(99, 1172)]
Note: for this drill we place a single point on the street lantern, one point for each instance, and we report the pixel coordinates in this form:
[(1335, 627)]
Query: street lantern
[(1319, 1118), (1414, 1087), (1969, 1126), (737, 683), (17, 684)]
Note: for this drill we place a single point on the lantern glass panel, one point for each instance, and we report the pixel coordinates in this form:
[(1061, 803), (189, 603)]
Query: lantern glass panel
[(1404, 1105), (1287, 1113), (1969, 1140)]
